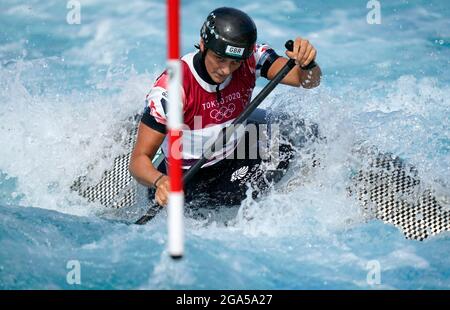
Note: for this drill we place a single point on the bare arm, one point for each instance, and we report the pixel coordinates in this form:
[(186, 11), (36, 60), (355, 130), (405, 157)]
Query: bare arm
[(147, 143), (296, 77)]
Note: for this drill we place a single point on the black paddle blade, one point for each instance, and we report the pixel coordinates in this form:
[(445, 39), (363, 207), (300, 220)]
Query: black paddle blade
[(151, 213)]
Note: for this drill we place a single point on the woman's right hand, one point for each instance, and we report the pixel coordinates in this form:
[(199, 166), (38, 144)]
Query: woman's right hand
[(162, 191)]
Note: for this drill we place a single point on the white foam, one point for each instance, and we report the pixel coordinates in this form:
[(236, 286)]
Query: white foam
[(409, 110), (52, 138)]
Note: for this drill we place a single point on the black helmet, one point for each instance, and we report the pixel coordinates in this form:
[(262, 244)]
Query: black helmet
[(229, 33)]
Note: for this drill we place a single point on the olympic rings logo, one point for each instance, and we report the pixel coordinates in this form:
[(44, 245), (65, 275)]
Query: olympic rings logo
[(223, 112)]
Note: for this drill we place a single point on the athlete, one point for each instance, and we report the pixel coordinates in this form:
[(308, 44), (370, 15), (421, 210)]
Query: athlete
[(218, 81)]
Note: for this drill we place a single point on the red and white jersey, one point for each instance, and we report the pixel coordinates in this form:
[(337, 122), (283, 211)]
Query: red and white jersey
[(205, 111)]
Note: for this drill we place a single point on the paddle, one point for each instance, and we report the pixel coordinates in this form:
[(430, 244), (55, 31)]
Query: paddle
[(228, 131)]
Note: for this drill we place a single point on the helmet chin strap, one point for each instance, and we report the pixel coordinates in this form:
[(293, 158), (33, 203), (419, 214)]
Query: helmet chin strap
[(218, 94), (204, 54)]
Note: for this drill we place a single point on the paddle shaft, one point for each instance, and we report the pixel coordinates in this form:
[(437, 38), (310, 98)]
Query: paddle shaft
[(228, 131)]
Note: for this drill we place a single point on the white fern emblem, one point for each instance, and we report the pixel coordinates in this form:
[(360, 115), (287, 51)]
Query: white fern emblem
[(239, 174)]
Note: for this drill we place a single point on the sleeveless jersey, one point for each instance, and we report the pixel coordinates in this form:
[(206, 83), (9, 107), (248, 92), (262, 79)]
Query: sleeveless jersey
[(207, 108)]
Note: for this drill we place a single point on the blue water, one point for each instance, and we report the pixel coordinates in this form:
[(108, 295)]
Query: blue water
[(66, 89)]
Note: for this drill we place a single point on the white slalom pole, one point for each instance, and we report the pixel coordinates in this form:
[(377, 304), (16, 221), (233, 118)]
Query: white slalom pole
[(175, 123)]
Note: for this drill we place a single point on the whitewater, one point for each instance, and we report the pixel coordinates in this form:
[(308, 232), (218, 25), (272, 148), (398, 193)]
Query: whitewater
[(66, 91)]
